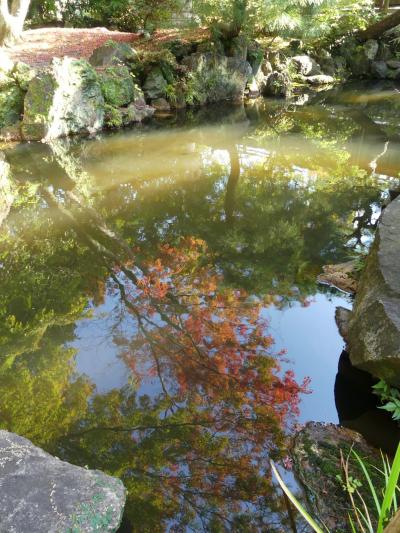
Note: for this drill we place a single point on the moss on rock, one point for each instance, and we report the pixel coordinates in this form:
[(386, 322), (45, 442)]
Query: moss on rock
[(11, 105), (113, 53), (316, 452), (64, 99), (117, 86)]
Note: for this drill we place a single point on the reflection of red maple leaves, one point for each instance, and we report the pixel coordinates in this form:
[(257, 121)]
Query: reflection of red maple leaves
[(207, 343), (209, 347)]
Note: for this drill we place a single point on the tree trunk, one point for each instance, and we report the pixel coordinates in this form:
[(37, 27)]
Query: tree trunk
[(233, 182), (376, 30), (12, 20)]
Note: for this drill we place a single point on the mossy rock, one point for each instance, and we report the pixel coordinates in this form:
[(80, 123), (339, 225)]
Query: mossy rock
[(180, 48), (38, 102), (63, 99), (316, 452), (23, 74), (11, 104), (113, 53), (14, 82), (155, 85), (117, 86)]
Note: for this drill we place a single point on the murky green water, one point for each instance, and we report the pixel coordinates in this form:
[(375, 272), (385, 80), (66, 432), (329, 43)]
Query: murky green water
[(160, 315)]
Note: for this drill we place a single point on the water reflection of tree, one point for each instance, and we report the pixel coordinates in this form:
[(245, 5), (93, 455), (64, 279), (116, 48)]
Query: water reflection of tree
[(203, 439), (196, 452)]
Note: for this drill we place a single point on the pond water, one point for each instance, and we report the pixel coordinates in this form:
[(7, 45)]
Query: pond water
[(160, 316)]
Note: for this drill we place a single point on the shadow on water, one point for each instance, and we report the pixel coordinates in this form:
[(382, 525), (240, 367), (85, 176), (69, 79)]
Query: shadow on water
[(138, 273), (358, 409)]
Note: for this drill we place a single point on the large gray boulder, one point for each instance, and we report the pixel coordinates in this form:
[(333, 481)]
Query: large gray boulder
[(277, 84), (374, 330), (63, 99), (306, 66), (41, 494)]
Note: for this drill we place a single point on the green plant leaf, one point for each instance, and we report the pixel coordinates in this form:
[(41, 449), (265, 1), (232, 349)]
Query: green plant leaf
[(369, 481), (295, 502), (390, 490)]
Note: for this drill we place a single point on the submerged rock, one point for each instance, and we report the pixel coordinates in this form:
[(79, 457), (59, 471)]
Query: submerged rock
[(374, 333), (316, 453), (41, 493), (63, 99)]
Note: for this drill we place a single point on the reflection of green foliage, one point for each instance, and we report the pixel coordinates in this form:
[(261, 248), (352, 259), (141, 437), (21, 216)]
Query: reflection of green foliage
[(40, 397), (41, 277)]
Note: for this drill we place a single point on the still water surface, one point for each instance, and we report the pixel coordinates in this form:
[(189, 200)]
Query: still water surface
[(160, 316)]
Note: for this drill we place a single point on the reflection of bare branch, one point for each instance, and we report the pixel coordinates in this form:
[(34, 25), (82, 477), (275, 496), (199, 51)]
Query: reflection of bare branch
[(121, 429), (374, 162)]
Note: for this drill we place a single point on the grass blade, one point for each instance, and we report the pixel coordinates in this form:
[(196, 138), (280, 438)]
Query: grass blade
[(295, 502), (369, 481), (353, 527), (390, 490)]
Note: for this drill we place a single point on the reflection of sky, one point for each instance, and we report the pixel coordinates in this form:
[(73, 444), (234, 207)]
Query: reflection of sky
[(313, 344), (97, 354), (308, 334)]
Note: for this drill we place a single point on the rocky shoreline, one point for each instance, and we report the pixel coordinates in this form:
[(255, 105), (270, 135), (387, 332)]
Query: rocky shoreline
[(120, 86)]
